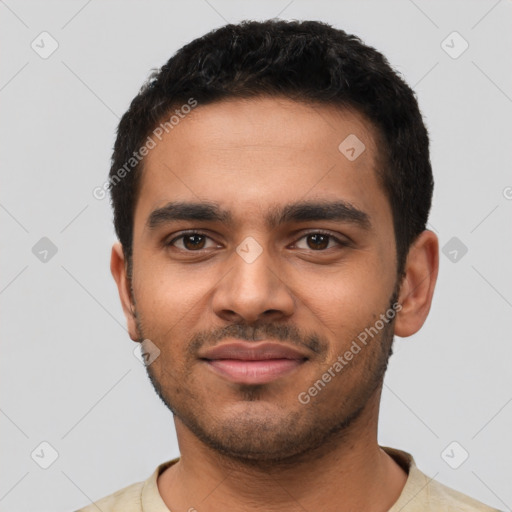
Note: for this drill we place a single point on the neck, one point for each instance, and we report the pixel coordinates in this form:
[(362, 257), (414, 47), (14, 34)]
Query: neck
[(350, 472)]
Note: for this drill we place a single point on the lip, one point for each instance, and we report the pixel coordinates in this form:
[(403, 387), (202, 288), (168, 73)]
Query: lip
[(253, 363), (253, 351)]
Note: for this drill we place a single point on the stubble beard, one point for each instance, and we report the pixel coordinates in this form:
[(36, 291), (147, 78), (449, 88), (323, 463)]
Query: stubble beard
[(306, 432)]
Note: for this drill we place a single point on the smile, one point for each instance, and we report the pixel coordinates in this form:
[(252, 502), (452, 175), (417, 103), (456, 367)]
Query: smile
[(253, 371)]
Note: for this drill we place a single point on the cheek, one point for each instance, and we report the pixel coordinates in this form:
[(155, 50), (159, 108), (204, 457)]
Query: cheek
[(343, 303), (171, 301), (162, 286), (359, 283)]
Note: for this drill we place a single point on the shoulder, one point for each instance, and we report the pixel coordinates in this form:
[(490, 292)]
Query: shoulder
[(134, 498), (127, 499), (424, 494), (442, 497)]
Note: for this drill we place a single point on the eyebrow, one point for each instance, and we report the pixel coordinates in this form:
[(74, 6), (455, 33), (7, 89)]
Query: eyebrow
[(341, 211)]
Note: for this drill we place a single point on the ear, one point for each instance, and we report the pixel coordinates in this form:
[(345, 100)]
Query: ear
[(118, 267), (418, 284)]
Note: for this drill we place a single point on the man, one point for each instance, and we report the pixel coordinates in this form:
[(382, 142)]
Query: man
[(271, 186)]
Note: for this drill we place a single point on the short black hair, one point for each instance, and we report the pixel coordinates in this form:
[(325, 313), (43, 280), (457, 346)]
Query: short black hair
[(307, 61)]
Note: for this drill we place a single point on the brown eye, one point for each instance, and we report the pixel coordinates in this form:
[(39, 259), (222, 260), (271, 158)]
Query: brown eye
[(318, 241), (192, 242)]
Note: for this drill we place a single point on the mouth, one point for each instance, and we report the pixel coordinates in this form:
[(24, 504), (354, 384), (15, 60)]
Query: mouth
[(254, 371), (253, 363)]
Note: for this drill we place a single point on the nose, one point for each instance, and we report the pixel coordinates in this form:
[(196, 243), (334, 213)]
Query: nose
[(253, 291)]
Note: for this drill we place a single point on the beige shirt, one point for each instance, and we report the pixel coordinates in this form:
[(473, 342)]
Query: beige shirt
[(420, 494)]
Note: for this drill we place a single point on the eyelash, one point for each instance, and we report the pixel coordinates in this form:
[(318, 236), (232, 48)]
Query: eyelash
[(183, 234)]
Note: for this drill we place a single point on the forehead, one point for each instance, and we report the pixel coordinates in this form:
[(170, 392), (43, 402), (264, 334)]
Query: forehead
[(249, 154)]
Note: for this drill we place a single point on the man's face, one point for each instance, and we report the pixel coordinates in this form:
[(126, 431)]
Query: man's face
[(264, 270)]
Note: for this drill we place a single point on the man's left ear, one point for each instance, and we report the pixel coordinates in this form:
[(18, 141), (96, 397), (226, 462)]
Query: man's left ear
[(418, 284)]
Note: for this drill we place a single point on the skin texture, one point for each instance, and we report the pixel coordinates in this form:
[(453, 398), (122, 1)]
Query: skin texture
[(257, 447)]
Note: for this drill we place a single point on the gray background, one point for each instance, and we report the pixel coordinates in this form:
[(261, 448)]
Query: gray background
[(68, 373)]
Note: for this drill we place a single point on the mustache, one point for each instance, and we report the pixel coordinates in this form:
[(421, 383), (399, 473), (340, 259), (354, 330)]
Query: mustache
[(284, 333)]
